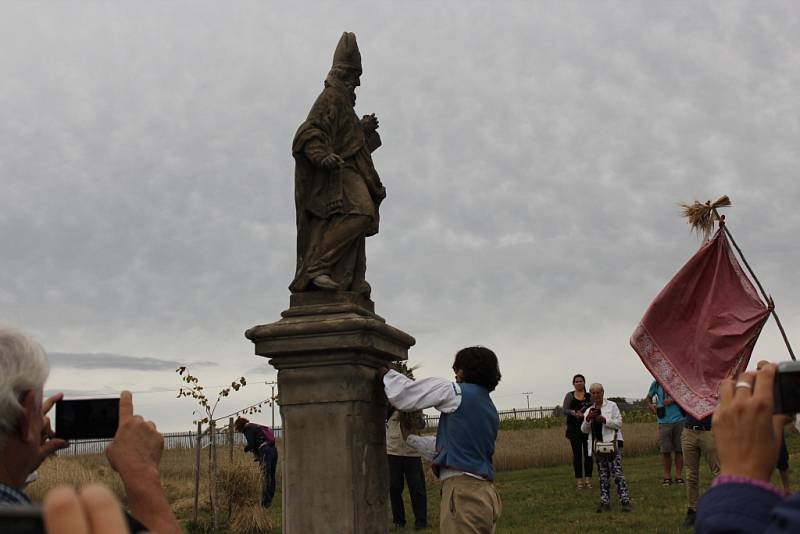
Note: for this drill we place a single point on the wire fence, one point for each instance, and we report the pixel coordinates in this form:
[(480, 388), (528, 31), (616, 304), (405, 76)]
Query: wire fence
[(542, 412), (187, 440), (172, 440)]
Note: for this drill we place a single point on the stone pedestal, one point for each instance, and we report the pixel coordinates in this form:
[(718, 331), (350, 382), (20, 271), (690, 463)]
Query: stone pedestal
[(327, 349)]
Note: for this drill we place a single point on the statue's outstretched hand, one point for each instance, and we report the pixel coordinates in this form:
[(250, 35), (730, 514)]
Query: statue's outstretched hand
[(369, 122), (332, 161)]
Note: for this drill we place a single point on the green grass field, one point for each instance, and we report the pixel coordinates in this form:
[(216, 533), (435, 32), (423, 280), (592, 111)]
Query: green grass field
[(545, 499)]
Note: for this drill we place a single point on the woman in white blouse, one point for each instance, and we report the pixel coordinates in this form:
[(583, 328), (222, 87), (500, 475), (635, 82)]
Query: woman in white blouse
[(603, 423)]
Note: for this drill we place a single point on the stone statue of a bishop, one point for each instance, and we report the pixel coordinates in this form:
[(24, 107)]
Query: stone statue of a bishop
[(337, 190)]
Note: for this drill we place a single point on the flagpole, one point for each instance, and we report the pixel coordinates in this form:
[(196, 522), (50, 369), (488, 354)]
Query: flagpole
[(770, 302)]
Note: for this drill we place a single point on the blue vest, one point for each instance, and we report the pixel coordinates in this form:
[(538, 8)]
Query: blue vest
[(465, 438)]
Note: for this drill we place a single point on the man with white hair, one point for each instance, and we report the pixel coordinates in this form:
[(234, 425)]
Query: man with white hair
[(26, 438)]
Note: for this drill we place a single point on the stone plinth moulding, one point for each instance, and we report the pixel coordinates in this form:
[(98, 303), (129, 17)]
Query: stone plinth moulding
[(327, 349)]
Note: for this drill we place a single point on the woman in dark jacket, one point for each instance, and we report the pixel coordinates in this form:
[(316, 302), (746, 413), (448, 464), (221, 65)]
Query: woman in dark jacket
[(575, 404)]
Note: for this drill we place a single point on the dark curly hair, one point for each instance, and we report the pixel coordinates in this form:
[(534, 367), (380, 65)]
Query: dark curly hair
[(479, 365)]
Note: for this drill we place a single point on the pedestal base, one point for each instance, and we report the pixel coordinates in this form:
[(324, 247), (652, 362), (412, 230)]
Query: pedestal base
[(327, 349)]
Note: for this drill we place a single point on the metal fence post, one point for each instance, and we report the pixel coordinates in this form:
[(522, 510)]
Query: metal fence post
[(197, 471), (230, 439)]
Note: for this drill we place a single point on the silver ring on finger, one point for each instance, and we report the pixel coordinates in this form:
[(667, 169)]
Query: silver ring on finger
[(743, 384)]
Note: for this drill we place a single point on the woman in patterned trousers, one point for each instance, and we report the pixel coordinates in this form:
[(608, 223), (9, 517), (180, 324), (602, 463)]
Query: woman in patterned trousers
[(603, 423)]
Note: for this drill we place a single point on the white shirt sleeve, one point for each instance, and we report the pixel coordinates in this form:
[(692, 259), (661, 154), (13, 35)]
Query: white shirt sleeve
[(408, 395), (614, 420), (424, 445)]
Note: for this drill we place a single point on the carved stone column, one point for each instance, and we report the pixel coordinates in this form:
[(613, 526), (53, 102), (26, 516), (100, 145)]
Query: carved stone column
[(327, 349)]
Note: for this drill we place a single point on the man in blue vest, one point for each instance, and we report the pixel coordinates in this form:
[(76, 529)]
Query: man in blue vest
[(465, 439)]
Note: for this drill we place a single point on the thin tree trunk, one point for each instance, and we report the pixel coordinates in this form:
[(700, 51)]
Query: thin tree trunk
[(213, 474), (230, 463), (197, 471)]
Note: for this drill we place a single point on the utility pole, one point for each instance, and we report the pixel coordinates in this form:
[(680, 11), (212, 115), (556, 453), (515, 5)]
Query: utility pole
[(528, 397), (272, 402)]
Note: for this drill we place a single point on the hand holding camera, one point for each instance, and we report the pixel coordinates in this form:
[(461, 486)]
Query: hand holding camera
[(747, 435)]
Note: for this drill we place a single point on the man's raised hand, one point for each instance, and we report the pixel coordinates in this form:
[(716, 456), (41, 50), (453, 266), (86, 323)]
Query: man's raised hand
[(135, 454)]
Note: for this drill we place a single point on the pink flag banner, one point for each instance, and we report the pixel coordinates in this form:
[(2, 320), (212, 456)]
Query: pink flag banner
[(702, 327)]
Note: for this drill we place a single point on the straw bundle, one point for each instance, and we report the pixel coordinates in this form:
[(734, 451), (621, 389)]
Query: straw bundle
[(410, 421), (701, 217), (251, 519)]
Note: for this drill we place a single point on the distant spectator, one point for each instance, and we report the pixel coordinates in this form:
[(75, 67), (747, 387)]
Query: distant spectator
[(697, 439), (405, 467), (576, 402), (261, 442), (670, 429), (26, 438), (603, 424), (465, 439), (783, 455), (748, 434)]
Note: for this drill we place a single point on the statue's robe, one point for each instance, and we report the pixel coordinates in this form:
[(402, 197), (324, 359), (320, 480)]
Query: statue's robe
[(325, 198)]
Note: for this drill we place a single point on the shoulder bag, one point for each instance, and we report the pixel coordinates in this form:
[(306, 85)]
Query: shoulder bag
[(605, 450)]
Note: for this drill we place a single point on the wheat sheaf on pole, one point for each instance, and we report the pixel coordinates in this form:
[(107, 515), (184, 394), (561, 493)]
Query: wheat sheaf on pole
[(701, 217)]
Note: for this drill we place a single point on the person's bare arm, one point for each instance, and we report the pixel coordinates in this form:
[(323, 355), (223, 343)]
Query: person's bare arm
[(649, 400), (135, 454)]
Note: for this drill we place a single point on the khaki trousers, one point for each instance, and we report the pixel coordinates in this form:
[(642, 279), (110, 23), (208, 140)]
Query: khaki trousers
[(469, 505), (695, 443)]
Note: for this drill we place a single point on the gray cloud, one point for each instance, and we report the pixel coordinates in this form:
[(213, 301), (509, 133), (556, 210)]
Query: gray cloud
[(534, 156), (116, 361)]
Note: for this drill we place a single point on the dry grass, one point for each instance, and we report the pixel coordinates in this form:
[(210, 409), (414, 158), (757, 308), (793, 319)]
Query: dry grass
[(522, 449), (251, 519), (238, 482), (75, 471)]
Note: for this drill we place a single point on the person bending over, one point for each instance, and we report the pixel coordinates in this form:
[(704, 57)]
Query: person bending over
[(26, 438), (261, 442), (465, 439)]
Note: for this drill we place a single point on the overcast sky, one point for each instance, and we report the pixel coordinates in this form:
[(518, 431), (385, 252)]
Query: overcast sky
[(534, 155)]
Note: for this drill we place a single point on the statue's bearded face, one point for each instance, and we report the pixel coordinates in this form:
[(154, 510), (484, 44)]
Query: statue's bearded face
[(351, 79)]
